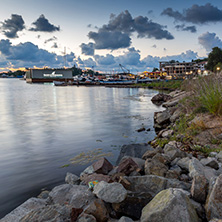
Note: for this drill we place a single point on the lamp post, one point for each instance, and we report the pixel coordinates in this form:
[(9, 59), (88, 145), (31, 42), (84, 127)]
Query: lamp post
[(218, 69)]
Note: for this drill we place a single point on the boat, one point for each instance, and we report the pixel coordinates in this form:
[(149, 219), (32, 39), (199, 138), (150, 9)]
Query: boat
[(59, 83)]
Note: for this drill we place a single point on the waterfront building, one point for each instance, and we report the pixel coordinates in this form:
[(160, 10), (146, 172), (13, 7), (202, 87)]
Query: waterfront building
[(48, 75)]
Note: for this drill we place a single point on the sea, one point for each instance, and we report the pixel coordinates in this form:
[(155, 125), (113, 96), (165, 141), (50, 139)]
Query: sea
[(47, 131)]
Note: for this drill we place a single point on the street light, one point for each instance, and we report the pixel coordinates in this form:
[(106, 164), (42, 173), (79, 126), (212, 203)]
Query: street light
[(218, 69)]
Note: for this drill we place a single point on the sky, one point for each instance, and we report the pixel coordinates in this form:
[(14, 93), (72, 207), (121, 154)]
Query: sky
[(101, 34)]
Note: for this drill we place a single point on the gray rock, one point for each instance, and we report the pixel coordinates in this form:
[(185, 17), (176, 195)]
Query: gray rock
[(86, 218), (44, 194), (162, 117), (155, 168), (213, 205), (22, 210), (140, 162), (210, 162), (167, 134), (125, 219), (72, 179), (172, 174), (110, 192), (172, 151), (55, 213), (199, 209), (219, 156), (199, 188), (169, 205), (133, 150), (175, 115), (153, 184), (88, 170), (184, 163), (213, 154), (77, 196)]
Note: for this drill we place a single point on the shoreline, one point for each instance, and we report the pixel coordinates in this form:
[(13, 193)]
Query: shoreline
[(147, 176)]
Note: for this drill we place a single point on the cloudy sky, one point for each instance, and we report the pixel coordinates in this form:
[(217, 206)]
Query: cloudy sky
[(103, 34)]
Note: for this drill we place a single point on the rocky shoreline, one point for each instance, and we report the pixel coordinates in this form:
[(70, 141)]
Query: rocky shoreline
[(149, 182)]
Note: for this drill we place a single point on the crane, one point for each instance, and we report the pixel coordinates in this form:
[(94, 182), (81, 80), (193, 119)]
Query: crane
[(125, 70)]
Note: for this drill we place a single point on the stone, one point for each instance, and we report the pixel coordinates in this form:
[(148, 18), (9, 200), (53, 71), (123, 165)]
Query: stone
[(110, 192), (169, 205), (219, 156), (162, 117), (149, 154), (172, 151), (175, 115), (72, 179), (213, 205), (125, 219), (155, 168), (98, 210), (210, 162), (88, 170), (76, 195), (152, 184), (199, 188), (133, 204), (44, 194), (102, 166), (75, 213), (184, 163), (86, 218), (161, 157), (55, 213), (17, 214), (173, 174), (127, 166), (216, 220), (199, 210), (167, 134), (160, 97), (133, 150), (100, 177), (184, 178), (141, 129)]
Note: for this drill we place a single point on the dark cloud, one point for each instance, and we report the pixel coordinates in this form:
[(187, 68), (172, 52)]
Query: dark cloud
[(28, 55), (196, 14), (110, 39), (42, 25), (104, 60), (116, 34), (50, 39), (209, 41), (186, 28), (11, 26), (88, 49), (86, 63)]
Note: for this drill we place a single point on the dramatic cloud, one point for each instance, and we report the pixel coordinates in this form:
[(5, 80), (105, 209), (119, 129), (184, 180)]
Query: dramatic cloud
[(209, 40), (104, 60), (186, 28), (196, 14), (110, 40), (116, 34), (42, 25), (11, 26), (28, 55), (88, 49), (51, 39)]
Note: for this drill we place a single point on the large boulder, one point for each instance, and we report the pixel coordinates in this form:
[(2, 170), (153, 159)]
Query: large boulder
[(133, 150), (75, 195), (110, 192), (102, 166), (213, 205), (155, 168), (22, 210), (72, 179), (172, 151), (152, 184), (169, 205), (54, 213), (210, 162)]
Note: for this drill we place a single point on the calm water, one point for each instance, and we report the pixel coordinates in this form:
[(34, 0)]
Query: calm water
[(42, 127)]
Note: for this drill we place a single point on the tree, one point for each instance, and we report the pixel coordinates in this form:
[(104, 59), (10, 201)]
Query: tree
[(155, 69), (214, 58)]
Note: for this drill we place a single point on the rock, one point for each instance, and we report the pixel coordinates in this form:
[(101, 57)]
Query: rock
[(133, 204), (72, 179), (110, 192), (160, 97), (100, 177), (172, 151), (167, 134), (155, 168), (213, 205), (184, 163), (86, 218), (153, 184), (172, 174), (199, 188), (162, 158), (22, 210), (141, 129), (219, 156), (127, 166), (175, 115), (199, 210), (98, 210), (216, 220), (76, 195), (75, 213), (133, 150), (184, 178), (55, 213), (125, 219), (213, 154), (88, 170), (102, 166), (44, 194), (151, 153), (169, 205), (162, 118), (210, 162)]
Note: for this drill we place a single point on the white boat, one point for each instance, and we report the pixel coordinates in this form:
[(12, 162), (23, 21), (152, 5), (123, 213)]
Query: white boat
[(59, 83)]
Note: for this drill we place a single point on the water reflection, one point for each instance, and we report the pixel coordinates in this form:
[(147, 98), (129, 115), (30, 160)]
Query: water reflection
[(42, 127)]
